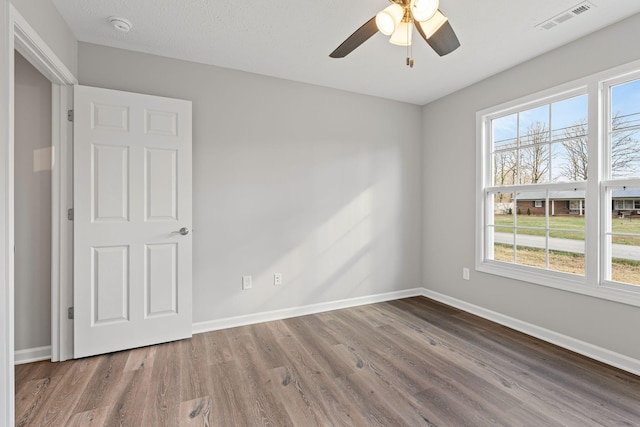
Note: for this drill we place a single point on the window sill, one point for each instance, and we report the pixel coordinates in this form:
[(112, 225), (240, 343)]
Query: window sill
[(562, 281)]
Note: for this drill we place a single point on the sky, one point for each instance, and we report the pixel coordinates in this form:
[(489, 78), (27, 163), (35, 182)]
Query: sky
[(557, 116), (564, 113), (625, 100)]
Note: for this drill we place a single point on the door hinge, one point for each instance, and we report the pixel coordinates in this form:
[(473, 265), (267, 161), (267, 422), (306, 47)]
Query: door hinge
[(70, 313), (70, 214), (70, 115)]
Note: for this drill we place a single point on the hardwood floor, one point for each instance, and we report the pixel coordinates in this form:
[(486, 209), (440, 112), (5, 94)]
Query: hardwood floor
[(412, 362)]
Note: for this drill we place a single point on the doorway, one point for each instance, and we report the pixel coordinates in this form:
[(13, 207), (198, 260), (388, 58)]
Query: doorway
[(32, 209), (19, 35)]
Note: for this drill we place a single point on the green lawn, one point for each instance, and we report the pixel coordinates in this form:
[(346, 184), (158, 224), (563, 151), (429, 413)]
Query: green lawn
[(622, 270), (568, 227)]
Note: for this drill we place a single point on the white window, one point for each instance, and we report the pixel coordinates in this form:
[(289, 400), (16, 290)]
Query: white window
[(574, 154), (533, 154), (621, 181)]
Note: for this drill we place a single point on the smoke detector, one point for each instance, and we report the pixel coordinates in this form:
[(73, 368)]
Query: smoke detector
[(568, 14), (120, 24)]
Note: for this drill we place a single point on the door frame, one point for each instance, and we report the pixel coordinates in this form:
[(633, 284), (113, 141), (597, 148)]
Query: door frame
[(20, 36)]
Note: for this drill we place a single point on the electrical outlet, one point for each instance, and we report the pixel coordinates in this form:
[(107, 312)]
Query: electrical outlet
[(246, 282), (465, 273), (277, 279)]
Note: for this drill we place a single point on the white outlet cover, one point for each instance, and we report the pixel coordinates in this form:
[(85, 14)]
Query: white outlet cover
[(246, 282)]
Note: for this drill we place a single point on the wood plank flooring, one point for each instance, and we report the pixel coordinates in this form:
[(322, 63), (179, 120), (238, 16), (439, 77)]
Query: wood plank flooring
[(411, 362)]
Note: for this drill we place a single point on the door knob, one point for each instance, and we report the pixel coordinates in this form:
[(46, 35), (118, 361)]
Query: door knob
[(183, 231)]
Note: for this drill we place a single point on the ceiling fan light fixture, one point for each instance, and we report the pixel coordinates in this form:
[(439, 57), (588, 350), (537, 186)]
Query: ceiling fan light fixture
[(402, 35), (388, 19), (423, 10), (431, 26), (398, 21)]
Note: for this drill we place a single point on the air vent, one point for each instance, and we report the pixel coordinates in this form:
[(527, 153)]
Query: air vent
[(563, 18), (568, 14), (581, 9)]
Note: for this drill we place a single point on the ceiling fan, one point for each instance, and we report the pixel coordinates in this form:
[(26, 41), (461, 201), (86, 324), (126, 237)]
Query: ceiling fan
[(397, 20)]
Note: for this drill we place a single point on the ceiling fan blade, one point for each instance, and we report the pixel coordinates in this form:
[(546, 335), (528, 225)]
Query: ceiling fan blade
[(360, 36), (443, 41)]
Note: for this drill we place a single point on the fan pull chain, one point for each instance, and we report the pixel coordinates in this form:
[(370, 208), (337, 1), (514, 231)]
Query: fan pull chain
[(409, 47)]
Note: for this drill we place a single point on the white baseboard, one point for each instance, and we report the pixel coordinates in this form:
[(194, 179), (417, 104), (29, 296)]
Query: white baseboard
[(601, 354), (268, 316), (32, 355)]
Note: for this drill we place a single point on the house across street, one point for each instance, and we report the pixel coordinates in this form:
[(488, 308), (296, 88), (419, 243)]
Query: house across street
[(625, 203)]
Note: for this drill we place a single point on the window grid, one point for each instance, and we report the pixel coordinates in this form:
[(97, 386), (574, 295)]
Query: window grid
[(538, 135), (603, 191), (620, 186)]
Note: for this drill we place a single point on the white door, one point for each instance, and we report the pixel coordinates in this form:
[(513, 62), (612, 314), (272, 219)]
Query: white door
[(132, 220)]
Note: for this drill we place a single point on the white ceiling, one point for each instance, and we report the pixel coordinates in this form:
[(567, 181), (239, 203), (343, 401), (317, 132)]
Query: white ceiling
[(292, 39)]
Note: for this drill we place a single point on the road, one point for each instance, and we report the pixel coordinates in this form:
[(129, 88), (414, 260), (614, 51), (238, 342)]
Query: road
[(567, 245)]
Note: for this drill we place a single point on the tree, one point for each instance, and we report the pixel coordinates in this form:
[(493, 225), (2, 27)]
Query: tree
[(625, 150), (504, 168), (534, 157), (504, 172), (575, 145)]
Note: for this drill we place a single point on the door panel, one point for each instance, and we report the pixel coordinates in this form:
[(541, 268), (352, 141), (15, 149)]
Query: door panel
[(110, 284), (161, 192), (161, 279), (110, 177), (132, 179)]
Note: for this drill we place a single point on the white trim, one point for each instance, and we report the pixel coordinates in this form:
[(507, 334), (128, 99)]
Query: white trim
[(31, 355), (601, 354), (481, 208), (595, 352), (37, 52), (593, 282), (62, 229), (564, 281), (33, 48), (55, 221), (9, 245), (268, 316), (554, 94), (17, 35)]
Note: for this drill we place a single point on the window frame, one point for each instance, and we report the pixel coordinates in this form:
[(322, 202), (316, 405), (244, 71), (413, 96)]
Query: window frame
[(597, 198), (608, 183)]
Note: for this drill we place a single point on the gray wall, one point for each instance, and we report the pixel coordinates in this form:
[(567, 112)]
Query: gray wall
[(32, 206), (45, 19), (450, 180), (321, 185)]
